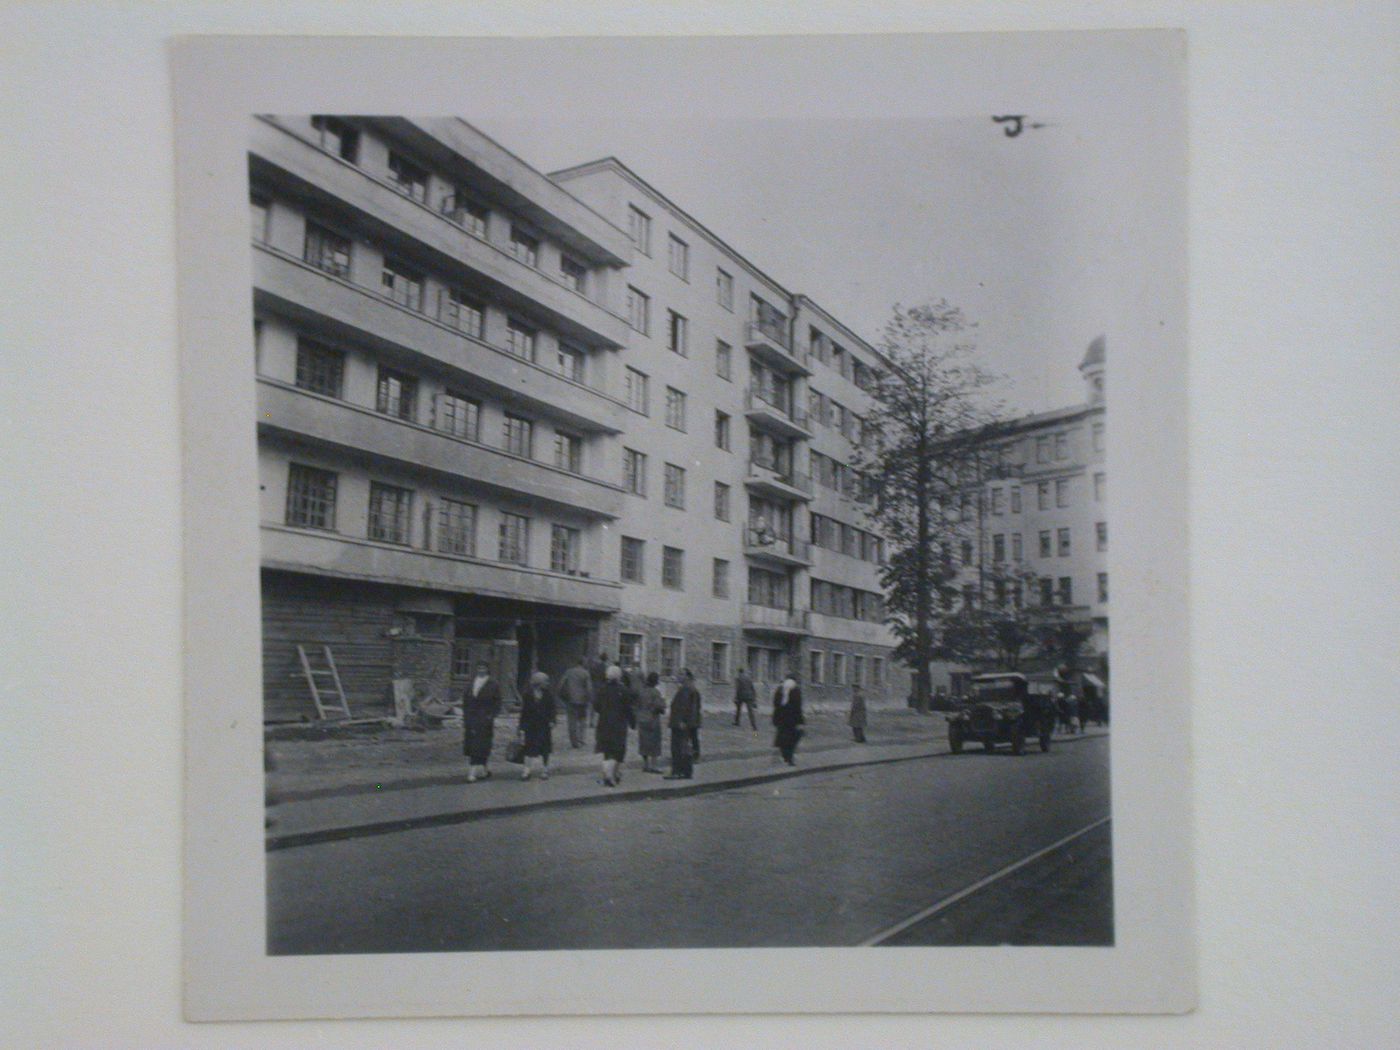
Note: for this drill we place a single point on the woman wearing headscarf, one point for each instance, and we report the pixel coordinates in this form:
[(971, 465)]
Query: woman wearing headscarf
[(536, 725), (787, 718), (650, 707), (615, 717), (481, 703)]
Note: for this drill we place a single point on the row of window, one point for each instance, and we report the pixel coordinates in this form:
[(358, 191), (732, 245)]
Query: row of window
[(1050, 590), (1006, 499), (825, 668), (765, 587), (449, 527), (834, 415), (1053, 543), (850, 603), (833, 535), (841, 477), (1054, 448), (841, 360), (677, 255)]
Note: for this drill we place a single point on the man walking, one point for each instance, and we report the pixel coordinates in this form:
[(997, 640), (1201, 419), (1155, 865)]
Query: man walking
[(685, 715), (744, 696), (576, 690)]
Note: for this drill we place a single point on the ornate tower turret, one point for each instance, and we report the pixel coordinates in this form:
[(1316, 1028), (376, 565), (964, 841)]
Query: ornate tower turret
[(1092, 369)]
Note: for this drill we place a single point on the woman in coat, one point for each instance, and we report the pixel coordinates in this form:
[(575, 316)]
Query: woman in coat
[(481, 703), (856, 719), (536, 726), (787, 718), (650, 707), (615, 717)]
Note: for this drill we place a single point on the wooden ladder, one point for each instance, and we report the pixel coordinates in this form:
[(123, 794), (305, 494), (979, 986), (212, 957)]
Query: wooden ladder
[(329, 694)]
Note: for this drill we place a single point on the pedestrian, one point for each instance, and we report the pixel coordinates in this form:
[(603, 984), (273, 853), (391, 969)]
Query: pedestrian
[(615, 717), (597, 672), (536, 725), (787, 718), (695, 726), (650, 707), (481, 703), (744, 696), (856, 719), (632, 681), (685, 713), (576, 693)]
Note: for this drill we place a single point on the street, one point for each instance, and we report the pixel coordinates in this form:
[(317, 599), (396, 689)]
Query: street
[(829, 858)]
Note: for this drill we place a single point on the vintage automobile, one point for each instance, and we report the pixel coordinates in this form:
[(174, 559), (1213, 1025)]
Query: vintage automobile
[(1003, 708)]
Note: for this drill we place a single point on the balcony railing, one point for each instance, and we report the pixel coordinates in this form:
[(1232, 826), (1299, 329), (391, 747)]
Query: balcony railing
[(760, 399), (763, 469), (777, 619), (761, 540), (769, 330)]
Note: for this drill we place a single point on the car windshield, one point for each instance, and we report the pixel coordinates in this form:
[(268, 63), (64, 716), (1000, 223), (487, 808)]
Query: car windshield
[(996, 688)]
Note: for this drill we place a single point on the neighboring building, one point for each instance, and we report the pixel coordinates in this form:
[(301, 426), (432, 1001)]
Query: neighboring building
[(511, 417)]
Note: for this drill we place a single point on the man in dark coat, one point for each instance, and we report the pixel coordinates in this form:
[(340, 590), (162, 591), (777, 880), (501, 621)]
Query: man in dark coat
[(576, 693), (744, 696), (597, 673), (616, 716), (787, 719), (481, 703), (684, 718)]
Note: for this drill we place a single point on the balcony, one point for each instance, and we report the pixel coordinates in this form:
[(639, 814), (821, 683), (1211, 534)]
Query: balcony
[(302, 292), (770, 343), (767, 478), (337, 424), (766, 409), (776, 621), (766, 545), (346, 557)]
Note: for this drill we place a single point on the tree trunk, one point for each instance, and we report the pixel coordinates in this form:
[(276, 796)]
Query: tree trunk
[(923, 611)]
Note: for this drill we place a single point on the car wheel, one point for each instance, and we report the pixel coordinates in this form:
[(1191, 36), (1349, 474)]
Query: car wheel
[(1018, 742), (989, 744), (955, 738)]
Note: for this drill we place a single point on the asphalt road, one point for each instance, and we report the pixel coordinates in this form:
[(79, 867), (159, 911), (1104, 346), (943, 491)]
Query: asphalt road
[(825, 859)]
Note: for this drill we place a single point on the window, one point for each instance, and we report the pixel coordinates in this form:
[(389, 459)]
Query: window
[(816, 667), (1100, 486), (721, 579), (1101, 535), (310, 497), (634, 472), (631, 649), (563, 548), (998, 501), (877, 672), (514, 539), (857, 670), (396, 394), (408, 178), (1045, 543), (574, 273), (520, 339), (336, 136), (401, 284), (258, 207), (319, 368), (633, 560), (639, 229), (967, 552), (672, 656), (675, 409), (1047, 591), (998, 548), (678, 257), (466, 213), (719, 661), (674, 495), (459, 416), (1103, 586), (1098, 437), (456, 528), (1042, 495), (568, 452), (676, 333), (1015, 499), (1061, 446), (636, 384), (672, 568), (568, 361), (838, 668), (1063, 539), (638, 310), (724, 289), (721, 430), (724, 363), (462, 312), (721, 501), (519, 436), (1015, 546), (389, 509), (1066, 591), (1062, 492), (327, 251), (257, 345), (524, 247), (1042, 450)]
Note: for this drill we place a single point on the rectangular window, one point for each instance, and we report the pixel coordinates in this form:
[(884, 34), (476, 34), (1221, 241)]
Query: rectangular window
[(519, 435), (1062, 492), (396, 395), (724, 290), (408, 178), (1064, 543), (634, 472), (858, 670), (1066, 590), (674, 495), (573, 273), (1047, 591), (401, 284), (1045, 541), (998, 501), (672, 656), (633, 560), (327, 251), (568, 452), (389, 513), (676, 329), (1042, 495), (816, 667), (524, 247), (336, 136), (310, 497), (999, 548), (456, 528), (514, 539), (636, 390), (563, 548), (838, 668), (520, 339), (877, 671), (724, 360), (675, 409), (258, 208), (462, 312), (1101, 535), (466, 213), (1015, 546), (320, 369), (639, 229), (719, 661), (568, 361), (721, 578), (678, 257), (1100, 487), (1103, 587), (1098, 437), (1061, 446), (631, 649), (1042, 450), (1015, 499), (638, 310), (721, 501), (721, 430), (672, 568), (459, 416)]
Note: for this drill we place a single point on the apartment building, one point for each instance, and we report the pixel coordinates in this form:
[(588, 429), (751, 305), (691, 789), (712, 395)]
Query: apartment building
[(517, 417)]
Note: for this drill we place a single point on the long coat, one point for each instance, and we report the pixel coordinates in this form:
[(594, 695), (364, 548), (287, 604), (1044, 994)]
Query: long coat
[(685, 708), (856, 719), (537, 722), (650, 708), (479, 720), (787, 717), (615, 717)]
